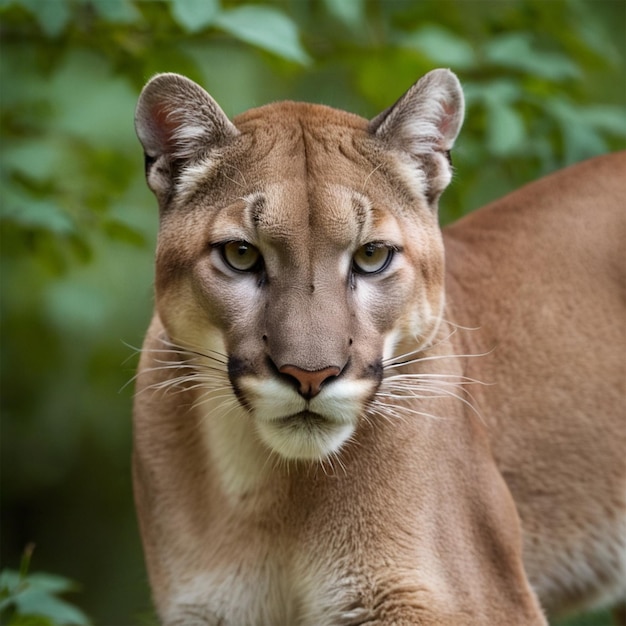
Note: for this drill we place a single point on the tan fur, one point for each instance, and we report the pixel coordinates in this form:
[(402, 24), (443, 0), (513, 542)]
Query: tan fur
[(390, 497)]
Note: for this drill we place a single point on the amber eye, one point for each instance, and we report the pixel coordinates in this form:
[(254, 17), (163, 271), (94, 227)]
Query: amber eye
[(372, 258), (241, 256)]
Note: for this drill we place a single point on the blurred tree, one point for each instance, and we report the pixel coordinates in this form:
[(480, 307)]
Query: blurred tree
[(545, 87)]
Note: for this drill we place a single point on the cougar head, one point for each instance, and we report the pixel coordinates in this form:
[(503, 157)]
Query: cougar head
[(302, 242)]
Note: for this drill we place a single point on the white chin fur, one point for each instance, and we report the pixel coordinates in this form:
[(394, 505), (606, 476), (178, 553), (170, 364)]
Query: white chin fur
[(325, 423), (303, 439)]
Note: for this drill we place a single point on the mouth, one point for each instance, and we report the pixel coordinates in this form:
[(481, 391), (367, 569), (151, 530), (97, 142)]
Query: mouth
[(303, 418), (305, 435)]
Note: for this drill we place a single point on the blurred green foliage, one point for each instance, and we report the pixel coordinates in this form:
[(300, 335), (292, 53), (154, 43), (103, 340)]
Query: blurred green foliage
[(33, 599), (545, 86)]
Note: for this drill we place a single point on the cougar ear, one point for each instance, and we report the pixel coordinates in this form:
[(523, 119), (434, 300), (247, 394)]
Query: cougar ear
[(425, 122), (177, 121)]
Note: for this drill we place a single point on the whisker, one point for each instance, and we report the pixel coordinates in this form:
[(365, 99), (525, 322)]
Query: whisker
[(420, 348), (230, 403), (441, 379), (194, 349), (436, 357), (396, 410)]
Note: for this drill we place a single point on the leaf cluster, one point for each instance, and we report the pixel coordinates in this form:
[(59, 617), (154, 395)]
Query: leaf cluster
[(33, 599)]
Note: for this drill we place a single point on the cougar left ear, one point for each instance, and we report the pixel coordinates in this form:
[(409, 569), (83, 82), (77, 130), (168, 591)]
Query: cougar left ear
[(176, 121), (425, 122)]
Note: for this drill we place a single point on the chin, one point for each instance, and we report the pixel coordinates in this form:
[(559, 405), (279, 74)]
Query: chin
[(305, 436)]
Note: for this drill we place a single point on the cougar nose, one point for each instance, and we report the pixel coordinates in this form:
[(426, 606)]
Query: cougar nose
[(309, 382)]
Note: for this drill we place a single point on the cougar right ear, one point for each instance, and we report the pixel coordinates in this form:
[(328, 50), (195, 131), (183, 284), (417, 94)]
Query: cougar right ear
[(177, 121), (424, 123)]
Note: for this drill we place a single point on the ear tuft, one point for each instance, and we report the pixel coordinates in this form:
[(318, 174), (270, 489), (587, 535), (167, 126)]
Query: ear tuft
[(177, 118), (426, 118)]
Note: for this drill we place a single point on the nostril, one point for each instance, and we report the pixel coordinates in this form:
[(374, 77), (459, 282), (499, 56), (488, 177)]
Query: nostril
[(309, 382)]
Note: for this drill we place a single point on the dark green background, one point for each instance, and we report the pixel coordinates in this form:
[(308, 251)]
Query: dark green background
[(545, 84)]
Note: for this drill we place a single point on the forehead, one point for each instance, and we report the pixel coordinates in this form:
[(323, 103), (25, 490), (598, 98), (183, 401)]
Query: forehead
[(305, 168), (303, 142), (297, 173)]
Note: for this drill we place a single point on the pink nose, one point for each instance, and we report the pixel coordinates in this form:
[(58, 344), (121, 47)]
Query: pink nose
[(310, 382)]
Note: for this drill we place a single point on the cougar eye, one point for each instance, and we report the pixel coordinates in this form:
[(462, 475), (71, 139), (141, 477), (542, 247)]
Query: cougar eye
[(241, 256), (372, 258)]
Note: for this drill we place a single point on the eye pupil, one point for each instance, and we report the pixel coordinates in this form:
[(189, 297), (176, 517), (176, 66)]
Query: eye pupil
[(372, 258), (241, 256)]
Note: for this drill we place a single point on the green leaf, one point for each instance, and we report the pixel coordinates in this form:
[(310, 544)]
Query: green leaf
[(493, 93), (33, 159), (194, 15), (580, 139), (52, 15), (40, 602), (350, 12), (266, 28), (505, 128), (9, 582), (37, 213), (518, 51), (116, 11), (441, 46), (50, 583), (33, 597), (609, 119)]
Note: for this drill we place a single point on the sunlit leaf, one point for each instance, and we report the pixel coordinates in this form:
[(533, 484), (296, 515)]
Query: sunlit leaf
[(505, 128), (610, 119), (9, 583), (33, 596), (350, 12), (51, 583), (194, 15), (117, 11), (52, 15), (265, 27), (39, 602), (442, 46), (35, 212)]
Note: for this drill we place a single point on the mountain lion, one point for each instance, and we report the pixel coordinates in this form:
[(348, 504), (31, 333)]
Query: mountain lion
[(332, 427)]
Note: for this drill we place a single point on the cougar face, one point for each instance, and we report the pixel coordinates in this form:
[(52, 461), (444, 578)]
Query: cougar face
[(304, 274)]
